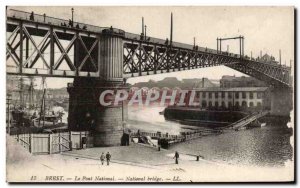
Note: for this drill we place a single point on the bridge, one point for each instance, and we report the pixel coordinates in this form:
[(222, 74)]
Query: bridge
[(99, 58)]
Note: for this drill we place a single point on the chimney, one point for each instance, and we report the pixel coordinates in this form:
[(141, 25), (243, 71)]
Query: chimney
[(260, 54), (194, 42), (280, 57), (143, 25)]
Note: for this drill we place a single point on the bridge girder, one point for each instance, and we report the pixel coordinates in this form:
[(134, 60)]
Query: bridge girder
[(145, 58), (50, 47), (140, 57)]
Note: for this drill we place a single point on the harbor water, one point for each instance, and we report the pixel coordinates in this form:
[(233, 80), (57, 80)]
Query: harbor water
[(263, 146)]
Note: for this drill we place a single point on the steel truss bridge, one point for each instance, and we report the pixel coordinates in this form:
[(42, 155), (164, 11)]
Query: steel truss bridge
[(41, 45)]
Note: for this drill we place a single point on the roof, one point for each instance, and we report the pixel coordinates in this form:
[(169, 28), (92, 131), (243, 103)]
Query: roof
[(233, 78), (232, 89)]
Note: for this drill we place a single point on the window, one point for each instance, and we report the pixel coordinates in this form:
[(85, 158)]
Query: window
[(251, 95), (209, 95), (244, 104), (237, 104), (223, 104), (204, 104), (216, 95), (210, 104), (216, 104), (229, 104), (251, 104), (229, 95), (198, 94), (237, 95), (243, 94), (223, 94), (204, 94), (259, 95), (259, 104)]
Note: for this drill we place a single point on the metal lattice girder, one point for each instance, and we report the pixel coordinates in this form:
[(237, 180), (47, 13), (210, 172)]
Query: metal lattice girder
[(44, 38), (140, 57), (146, 58), (275, 75)]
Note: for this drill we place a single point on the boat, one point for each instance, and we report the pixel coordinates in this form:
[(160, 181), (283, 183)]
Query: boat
[(162, 112), (263, 124), (30, 116)]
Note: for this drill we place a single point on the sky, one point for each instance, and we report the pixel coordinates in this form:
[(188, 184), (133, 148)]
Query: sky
[(264, 28)]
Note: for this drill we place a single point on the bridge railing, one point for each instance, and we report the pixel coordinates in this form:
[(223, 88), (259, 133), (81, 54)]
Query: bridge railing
[(51, 20)]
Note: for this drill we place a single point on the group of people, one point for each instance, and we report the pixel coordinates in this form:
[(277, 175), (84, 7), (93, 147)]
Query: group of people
[(31, 17), (107, 157), (71, 24)]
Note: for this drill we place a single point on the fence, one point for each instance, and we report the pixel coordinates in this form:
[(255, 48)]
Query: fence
[(181, 137), (44, 19), (55, 142)]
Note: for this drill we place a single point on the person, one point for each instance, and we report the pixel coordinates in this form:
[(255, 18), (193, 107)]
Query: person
[(108, 156), (176, 157), (31, 17), (70, 23), (102, 158)]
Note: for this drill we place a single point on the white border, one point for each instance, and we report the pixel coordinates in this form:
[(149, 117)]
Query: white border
[(4, 3)]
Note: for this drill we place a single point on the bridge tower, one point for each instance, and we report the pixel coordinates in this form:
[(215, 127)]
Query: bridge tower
[(85, 111)]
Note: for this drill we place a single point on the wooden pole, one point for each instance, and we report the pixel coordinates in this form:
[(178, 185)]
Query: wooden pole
[(70, 140), (217, 45), (50, 143), (31, 143), (59, 142), (240, 38), (171, 34)]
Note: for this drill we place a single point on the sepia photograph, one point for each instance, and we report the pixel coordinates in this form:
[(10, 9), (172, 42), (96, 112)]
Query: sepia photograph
[(150, 94)]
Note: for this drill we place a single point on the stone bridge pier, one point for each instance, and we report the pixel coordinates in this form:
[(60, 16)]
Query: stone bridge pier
[(281, 101), (85, 111)]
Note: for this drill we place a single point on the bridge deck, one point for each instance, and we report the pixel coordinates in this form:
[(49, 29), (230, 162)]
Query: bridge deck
[(154, 54)]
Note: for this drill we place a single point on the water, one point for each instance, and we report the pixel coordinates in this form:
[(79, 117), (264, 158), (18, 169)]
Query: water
[(265, 146)]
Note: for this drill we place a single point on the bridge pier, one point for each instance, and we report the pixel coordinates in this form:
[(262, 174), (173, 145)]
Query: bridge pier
[(85, 111), (281, 101)]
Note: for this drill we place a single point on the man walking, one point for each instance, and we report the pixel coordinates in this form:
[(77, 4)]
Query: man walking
[(102, 158), (176, 157), (108, 156)]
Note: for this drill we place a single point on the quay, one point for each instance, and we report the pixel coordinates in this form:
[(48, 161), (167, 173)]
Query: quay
[(49, 143), (166, 140)]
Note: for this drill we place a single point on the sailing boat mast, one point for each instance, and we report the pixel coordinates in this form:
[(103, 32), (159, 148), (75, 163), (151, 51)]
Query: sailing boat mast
[(31, 93), (43, 105), (21, 86)]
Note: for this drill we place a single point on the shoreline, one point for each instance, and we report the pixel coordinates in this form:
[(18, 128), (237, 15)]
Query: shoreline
[(84, 166)]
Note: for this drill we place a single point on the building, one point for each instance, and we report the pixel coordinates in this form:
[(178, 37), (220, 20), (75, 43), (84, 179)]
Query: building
[(268, 59), (243, 98), (232, 81), (172, 82)]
